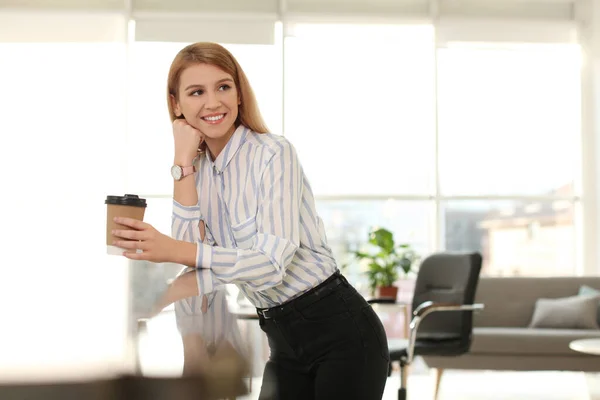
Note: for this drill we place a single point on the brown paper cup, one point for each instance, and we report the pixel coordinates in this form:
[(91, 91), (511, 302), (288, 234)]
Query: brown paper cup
[(130, 206)]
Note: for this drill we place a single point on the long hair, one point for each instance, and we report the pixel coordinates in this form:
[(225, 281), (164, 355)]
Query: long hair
[(215, 54)]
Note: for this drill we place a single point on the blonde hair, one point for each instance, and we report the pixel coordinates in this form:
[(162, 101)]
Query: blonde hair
[(215, 54)]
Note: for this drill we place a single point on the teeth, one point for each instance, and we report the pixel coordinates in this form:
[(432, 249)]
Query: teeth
[(215, 118)]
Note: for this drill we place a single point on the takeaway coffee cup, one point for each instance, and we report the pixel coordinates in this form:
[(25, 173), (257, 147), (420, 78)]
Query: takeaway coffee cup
[(131, 206)]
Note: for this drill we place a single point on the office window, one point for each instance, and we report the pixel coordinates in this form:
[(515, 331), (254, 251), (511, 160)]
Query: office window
[(514, 238), (509, 126), (359, 107), (509, 119), (62, 150)]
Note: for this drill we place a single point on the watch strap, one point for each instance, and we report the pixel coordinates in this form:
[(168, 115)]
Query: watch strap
[(185, 171)]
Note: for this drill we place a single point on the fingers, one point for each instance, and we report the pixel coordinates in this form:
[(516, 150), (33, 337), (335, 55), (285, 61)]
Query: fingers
[(131, 244), (202, 227), (204, 304), (180, 122), (136, 256), (132, 223), (130, 234), (181, 126)]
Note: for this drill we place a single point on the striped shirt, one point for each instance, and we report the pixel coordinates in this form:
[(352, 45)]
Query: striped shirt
[(262, 229)]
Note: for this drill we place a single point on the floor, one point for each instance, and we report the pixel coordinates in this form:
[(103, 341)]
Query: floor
[(161, 355), (488, 385)]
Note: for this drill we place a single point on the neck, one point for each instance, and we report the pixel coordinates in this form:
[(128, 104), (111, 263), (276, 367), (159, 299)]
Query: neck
[(216, 145)]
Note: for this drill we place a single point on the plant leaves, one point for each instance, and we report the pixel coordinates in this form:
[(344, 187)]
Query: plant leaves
[(388, 258), (361, 255), (383, 238)]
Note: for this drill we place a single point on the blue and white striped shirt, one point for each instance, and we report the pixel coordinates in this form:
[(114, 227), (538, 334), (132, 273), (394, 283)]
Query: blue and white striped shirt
[(262, 228)]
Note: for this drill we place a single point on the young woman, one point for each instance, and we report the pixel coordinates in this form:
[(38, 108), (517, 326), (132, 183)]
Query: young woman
[(248, 193)]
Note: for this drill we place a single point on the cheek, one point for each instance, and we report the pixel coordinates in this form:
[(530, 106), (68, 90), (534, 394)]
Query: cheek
[(191, 103), (232, 100), (233, 106)]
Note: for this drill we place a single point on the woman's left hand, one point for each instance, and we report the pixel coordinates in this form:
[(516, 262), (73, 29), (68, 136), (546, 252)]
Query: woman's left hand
[(155, 246)]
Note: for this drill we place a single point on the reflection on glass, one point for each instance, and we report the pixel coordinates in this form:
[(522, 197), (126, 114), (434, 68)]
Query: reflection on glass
[(516, 238), (212, 344), (213, 348), (509, 118)]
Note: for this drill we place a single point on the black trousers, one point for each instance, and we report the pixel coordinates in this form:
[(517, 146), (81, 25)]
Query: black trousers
[(327, 344)]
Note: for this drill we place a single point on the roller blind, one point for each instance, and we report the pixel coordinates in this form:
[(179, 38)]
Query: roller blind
[(223, 21), (532, 21), (389, 8), (553, 9), (557, 10), (214, 29), (64, 4), (495, 30), (235, 6), (149, 5), (68, 27)]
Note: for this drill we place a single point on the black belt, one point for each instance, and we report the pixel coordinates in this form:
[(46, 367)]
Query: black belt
[(306, 298)]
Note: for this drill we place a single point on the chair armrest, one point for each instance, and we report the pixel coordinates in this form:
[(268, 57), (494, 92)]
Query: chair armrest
[(429, 306), (426, 308)]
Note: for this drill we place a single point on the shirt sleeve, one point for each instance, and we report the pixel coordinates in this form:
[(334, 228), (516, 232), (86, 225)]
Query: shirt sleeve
[(277, 226), (185, 222), (185, 226)]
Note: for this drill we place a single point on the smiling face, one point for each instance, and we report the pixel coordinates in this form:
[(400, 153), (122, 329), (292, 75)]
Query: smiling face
[(208, 98)]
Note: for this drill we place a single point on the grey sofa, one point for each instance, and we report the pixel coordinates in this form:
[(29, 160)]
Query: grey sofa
[(502, 339)]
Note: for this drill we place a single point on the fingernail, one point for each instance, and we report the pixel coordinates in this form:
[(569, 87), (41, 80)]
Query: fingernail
[(116, 219)]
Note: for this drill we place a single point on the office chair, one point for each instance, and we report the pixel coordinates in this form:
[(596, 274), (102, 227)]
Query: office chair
[(446, 283)]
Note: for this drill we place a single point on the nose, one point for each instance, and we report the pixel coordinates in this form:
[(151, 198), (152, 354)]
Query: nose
[(212, 101)]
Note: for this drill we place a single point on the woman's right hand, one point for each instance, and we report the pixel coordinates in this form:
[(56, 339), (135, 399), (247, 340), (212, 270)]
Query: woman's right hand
[(187, 140)]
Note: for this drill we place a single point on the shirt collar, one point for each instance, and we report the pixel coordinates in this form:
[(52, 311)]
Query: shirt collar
[(233, 145)]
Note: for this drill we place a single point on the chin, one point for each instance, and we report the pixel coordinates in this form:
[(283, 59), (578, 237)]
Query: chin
[(215, 133), (219, 130)]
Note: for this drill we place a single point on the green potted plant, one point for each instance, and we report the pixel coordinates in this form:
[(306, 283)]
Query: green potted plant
[(386, 261)]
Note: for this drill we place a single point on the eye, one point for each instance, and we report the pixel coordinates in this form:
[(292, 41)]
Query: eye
[(198, 92), (224, 87)]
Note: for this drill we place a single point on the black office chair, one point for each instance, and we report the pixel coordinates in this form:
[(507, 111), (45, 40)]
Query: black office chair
[(445, 282)]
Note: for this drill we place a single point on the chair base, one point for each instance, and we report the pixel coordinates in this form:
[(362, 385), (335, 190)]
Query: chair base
[(402, 394)]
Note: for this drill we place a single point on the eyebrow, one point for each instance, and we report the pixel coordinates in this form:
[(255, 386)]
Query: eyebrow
[(201, 86)]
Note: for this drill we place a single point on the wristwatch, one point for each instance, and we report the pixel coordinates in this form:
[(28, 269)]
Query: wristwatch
[(178, 172)]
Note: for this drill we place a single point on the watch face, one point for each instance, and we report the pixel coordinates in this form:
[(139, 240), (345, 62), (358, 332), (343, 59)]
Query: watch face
[(176, 172)]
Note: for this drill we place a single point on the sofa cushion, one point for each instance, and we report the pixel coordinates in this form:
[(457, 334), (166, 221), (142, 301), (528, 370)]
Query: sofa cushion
[(509, 301), (573, 312), (531, 341), (586, 290)]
